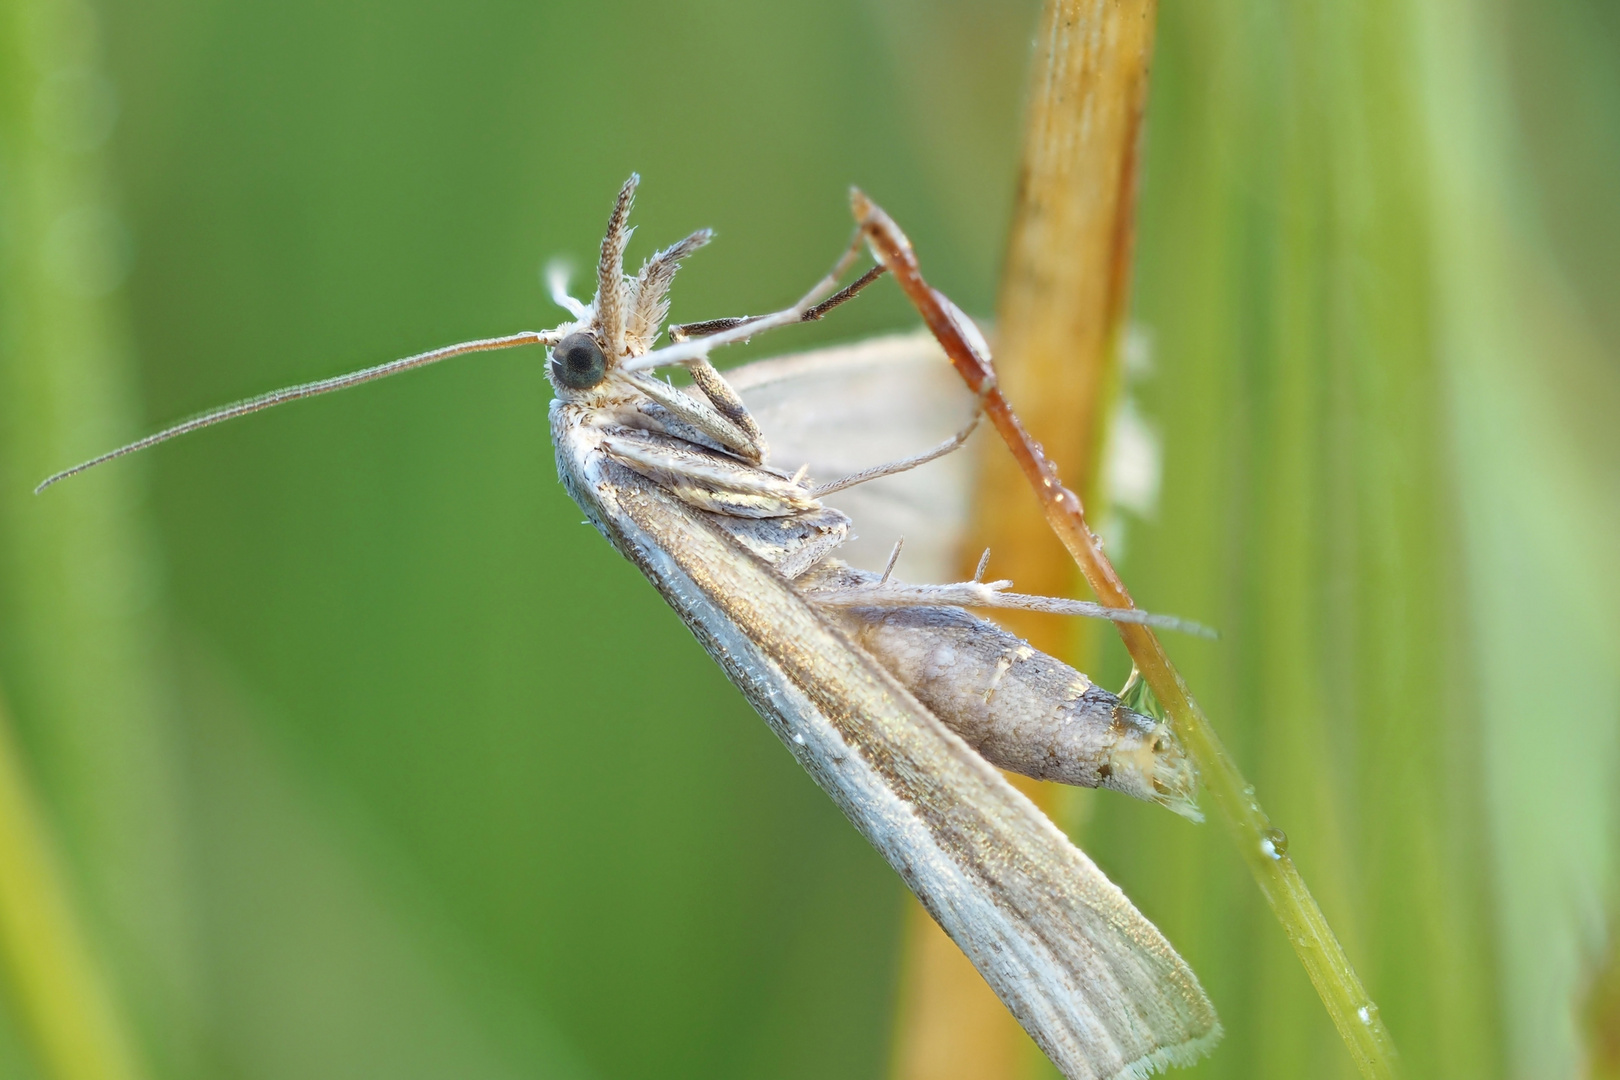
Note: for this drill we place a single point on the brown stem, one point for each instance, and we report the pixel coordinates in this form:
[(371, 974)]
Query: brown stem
[(1262, 846)]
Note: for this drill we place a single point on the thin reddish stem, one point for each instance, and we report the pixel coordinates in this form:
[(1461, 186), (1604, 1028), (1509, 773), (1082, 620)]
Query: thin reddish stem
[(1324, 960)]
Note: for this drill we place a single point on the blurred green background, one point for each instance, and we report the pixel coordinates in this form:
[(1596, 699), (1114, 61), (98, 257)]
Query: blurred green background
[(362, 758)]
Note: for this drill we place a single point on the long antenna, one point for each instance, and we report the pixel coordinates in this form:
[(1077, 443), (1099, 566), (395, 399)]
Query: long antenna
[(304, 390)]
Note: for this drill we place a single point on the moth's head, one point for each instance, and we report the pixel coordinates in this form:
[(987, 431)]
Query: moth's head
[(626, 315)]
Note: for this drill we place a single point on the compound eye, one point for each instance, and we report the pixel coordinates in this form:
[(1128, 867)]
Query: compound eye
[(577, 362)]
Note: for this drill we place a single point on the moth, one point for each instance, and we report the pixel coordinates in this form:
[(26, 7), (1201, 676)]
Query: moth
[(898, 701)]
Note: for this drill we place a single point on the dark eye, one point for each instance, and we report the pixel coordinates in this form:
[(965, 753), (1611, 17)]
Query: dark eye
[(577, 362)]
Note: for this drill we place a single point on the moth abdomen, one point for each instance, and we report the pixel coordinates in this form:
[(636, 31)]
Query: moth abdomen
[(1021, 709)]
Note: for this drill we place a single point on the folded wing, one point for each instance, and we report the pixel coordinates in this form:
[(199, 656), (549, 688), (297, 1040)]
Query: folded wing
[(1095, 984)]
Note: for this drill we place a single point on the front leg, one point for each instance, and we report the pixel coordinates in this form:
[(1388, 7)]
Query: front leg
[(714, 418), (727, 404), (686, 331), (707, 479)]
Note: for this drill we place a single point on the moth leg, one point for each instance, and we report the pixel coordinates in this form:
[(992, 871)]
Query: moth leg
[(855, 589), (730, 331), (687, 331), (740, 435), (904, 464), (709, 480), (729, 405), (743, 434)]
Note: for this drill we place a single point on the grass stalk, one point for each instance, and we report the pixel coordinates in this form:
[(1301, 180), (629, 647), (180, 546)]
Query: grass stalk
[(52, 977), (1263, 848)]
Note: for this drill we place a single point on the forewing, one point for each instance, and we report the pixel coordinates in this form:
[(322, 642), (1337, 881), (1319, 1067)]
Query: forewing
[(1091, 980), (843, 409)]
